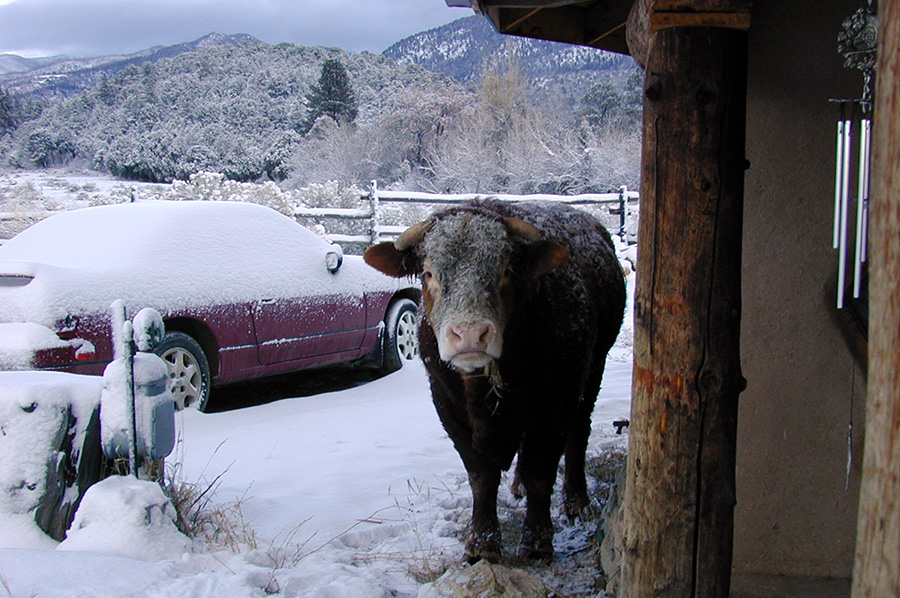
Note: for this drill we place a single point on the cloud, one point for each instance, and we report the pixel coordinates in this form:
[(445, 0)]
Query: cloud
[(96, 27)]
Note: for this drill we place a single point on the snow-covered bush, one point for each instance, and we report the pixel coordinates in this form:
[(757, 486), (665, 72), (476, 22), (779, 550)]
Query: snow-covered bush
[(213, 186)]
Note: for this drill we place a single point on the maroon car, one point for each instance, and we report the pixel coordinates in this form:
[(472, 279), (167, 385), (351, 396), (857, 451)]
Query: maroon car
[(245, 292)]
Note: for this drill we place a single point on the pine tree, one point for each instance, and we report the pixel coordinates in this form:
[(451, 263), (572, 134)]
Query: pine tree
[(332, 96), (9, 113)]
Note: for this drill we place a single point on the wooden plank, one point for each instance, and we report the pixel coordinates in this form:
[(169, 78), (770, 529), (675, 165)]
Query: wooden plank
[(680, 493), (876, 570)]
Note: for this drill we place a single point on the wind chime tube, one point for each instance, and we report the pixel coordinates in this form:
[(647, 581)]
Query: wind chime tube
[(844, 208), (838, 169), (865, 144)]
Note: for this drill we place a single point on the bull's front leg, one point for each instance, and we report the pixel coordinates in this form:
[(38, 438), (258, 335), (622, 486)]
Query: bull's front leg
[(483, 541)]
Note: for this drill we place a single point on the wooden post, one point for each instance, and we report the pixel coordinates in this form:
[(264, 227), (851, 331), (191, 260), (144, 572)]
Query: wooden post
[(876, 571), (680, 492)]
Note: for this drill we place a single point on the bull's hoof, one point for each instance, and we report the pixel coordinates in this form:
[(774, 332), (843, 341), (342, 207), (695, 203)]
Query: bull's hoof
[(574, 506), (483, 547), (537, 545)]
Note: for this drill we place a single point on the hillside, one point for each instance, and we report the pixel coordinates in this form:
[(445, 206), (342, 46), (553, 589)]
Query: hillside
[(60, 75), (459, 108), (234, 108), (555, 71)]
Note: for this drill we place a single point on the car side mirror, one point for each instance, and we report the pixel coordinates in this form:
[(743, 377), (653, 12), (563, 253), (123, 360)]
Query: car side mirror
[(334, 258)]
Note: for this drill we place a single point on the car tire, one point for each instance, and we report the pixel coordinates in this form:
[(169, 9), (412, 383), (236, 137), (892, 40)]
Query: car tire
[(401, 335), (188, 370)]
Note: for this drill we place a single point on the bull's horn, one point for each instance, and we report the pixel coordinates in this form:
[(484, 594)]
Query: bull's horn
[(413, 235), (520, 228)]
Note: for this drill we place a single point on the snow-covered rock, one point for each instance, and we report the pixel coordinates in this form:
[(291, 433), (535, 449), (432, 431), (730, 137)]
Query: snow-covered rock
[(128, 517), (485, 579), (50, 446)]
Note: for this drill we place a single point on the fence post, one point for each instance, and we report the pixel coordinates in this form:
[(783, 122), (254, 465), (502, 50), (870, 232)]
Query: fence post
[(623, 211), (373, 205)]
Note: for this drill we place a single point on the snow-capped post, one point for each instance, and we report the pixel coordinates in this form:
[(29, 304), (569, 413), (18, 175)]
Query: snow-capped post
[(373, 205), (123, 334)]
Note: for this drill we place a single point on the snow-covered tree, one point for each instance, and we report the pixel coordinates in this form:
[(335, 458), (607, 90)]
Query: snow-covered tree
[(332, 96)]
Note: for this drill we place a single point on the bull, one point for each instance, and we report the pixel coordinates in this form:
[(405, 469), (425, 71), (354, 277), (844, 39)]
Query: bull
[(521, 303)]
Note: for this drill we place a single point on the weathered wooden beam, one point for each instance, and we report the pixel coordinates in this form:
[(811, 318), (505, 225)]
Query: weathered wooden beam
[(876, 571), (596, 26), (680, 493), (649, 16)]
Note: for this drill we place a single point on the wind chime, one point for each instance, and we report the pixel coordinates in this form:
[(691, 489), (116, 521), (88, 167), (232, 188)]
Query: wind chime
[(857, 43)]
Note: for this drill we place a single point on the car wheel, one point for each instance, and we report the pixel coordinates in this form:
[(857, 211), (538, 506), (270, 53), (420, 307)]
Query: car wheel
[(401, 338), (188, 370)]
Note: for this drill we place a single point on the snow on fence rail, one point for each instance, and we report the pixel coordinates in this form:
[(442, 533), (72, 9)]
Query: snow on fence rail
[(618, 203)]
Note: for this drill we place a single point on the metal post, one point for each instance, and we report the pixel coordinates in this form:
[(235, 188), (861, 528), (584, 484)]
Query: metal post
[(123, 333), (373, 205)]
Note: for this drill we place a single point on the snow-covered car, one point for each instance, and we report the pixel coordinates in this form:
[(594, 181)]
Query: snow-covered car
[(244, 291)]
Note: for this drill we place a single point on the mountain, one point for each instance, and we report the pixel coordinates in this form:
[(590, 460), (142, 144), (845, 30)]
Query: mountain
[(10, 63), (555, 71), (65, 76)]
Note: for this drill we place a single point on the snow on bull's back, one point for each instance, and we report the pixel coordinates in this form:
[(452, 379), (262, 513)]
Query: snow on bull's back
[(165, 254)]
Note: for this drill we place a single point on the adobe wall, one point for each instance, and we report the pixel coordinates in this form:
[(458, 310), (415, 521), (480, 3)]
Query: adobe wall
[(794, 514)]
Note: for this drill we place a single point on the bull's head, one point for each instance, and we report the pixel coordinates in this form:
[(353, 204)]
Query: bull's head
[(471, 263)]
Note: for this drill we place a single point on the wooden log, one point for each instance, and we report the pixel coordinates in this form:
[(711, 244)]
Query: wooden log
[(876, 570), (680, 492)]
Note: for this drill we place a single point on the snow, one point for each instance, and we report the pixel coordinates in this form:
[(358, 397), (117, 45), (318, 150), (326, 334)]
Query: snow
[(124, 516), (33, 407)]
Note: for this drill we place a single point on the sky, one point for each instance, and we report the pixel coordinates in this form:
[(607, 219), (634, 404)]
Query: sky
[(84, 28)]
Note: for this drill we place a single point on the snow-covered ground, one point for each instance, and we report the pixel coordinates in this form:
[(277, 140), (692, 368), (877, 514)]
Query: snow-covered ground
[(354, 493)]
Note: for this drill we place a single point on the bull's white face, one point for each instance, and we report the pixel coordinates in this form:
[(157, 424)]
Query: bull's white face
[(465, 284)]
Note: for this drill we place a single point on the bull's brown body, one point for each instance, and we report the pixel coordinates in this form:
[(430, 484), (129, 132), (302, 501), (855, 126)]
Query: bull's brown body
[(562, 300)]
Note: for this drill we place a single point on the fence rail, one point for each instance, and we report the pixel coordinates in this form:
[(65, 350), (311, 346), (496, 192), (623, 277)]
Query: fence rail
[(377, 231)]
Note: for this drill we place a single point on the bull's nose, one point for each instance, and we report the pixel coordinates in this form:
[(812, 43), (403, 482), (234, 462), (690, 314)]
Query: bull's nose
[(470, 337)]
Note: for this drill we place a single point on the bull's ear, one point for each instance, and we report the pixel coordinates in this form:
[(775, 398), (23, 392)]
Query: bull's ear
[(544, 256), (386, 258)]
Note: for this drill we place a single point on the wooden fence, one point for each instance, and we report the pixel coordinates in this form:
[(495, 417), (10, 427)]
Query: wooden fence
[(623, 204), (372, 229)]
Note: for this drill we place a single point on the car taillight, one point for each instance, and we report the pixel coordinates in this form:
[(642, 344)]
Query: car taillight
[(85, 351)]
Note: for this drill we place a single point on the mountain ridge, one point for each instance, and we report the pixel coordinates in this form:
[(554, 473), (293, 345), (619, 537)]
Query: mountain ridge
[(65, 75)]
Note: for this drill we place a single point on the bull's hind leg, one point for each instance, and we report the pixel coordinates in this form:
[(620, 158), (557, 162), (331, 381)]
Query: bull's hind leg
[(576, 498), (538, 461)]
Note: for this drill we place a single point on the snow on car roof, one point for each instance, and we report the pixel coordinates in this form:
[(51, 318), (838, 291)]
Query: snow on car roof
[(108, 236), (168, 255)]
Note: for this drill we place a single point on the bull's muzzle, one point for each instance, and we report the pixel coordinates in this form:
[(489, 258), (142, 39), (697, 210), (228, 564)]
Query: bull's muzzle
[(469, 346)]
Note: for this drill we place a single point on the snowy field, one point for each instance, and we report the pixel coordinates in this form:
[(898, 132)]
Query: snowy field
[(354, 493)]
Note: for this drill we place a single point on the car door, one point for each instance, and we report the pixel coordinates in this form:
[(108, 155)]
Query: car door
[(289, 329)]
